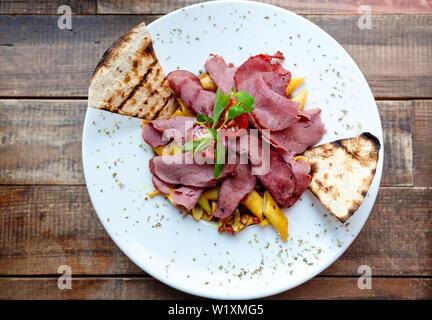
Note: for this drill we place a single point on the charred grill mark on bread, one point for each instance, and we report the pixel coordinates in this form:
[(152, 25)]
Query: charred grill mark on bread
[(342, 172), (140, 84)]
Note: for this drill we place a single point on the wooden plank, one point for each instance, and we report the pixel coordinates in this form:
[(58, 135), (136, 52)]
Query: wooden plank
[(46, 7), (297, 6), (148, 288), (53, 155), (397, 123), (396, 238), (390, 55), (47, 61), (347, 288), (43, 227), (394, 55), (422, 143), (41, 141)]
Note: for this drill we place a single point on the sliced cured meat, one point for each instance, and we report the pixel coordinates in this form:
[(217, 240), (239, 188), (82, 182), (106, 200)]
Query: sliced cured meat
[(300, 136), (233, 190), (267, 67), (177, 169), (160, 185), (186, 196), (284, 177), (302, 178), (272, 110), (266, 82), (221, 73), (160, 132), (188, 87), (152, 136), (178, 78), (270, 168), (279, 181)]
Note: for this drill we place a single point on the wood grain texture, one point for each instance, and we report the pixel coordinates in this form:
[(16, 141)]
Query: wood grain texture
[(397, 123), (394, 55), (46, 218), (423, 143), (47, 61), (41, 141), (297, 6), (346, 288), (43, 227), (147, 288), (396, 238), (46, 7)]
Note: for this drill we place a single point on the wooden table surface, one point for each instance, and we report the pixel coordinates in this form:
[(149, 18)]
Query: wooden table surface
[(47, 220)]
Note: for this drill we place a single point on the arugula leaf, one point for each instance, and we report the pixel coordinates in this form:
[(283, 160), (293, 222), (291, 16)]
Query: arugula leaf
[(245, 98), (219, 157), (201, 117), (221, 102), (192, 144), (237, 110), (203, 144)]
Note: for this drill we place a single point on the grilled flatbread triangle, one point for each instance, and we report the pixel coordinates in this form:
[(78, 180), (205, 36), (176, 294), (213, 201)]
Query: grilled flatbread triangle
[(129, 79), (342, 172)]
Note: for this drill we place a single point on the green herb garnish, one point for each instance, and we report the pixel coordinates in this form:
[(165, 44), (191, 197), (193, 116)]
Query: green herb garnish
[(221, 102), (243, 103)]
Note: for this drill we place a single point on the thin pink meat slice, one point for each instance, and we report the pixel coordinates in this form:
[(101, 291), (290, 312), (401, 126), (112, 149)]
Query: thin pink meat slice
[(267, 67), (187, 196), (277, 176), (174, 170), (300, 136), (233, 190), (160, 132), (160, 185), (266, 81), (302, 178), (221, 73), (188, 87), (279, 181)]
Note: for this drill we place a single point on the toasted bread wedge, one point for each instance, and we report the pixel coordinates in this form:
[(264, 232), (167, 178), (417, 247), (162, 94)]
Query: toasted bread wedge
[(342, 172), (129, 79)]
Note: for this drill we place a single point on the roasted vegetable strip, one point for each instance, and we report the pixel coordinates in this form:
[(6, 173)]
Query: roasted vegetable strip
[(207, 82), (293, 84), (211, 194), (203, 202), (197, 212), (276, 217), (301, 98), (254, 202)]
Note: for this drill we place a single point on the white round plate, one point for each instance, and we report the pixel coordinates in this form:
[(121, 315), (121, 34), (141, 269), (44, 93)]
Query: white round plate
[(192, 256)]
